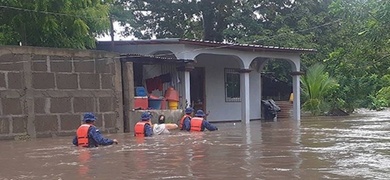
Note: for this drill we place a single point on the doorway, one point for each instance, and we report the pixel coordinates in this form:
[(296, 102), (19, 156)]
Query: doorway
[(198, 89)]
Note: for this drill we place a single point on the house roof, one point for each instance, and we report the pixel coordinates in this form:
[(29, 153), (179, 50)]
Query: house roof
[(216, 45)]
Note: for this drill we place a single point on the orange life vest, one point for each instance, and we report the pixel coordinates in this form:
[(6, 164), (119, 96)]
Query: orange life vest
[(196, 124), (82, 135), (139, 128), (182, 121)]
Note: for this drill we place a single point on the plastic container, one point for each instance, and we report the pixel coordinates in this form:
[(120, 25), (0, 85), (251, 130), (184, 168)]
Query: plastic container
[(173, 104), (164, 104), (155, 103), (140, 91), (171, 94), (141, 102)]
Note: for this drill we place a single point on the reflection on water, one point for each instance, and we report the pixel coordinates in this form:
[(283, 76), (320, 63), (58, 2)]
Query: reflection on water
[(354, 147), (84, 159)]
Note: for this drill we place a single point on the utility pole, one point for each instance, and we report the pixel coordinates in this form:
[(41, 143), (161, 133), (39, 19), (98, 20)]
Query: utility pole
[(112, 33)]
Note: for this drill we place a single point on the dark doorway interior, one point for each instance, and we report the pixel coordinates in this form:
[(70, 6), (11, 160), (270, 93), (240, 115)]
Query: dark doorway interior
[(198, 96), (274, 88)]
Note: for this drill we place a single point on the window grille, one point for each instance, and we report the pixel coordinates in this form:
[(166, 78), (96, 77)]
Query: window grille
[(232, 85)]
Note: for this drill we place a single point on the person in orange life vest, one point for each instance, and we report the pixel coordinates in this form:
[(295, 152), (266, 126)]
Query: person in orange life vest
[(143, 128), (185, 121), (198, 123), (162, 127), (87, 135)]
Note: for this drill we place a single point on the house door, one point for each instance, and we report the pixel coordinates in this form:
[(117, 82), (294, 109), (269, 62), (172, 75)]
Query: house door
[(197, 84)]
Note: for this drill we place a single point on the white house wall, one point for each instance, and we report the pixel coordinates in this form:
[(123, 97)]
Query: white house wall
[(220, 110), (255, 94), (215, 89)]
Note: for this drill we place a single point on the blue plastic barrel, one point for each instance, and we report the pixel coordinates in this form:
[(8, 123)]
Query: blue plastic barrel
[(154, 103), (140, 91)]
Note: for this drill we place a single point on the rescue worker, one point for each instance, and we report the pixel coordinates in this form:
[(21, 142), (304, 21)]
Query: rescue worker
[(185, 121), (143, 128), (162, 127), (87, 135), (198, 123)]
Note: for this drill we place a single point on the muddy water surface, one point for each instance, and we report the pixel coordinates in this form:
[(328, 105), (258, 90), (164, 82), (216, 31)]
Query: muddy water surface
[(355, 147)]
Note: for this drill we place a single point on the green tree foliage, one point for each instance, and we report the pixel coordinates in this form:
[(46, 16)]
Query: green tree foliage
[(317, 85), (122, 12), (382, 97), (53, 23), (361, 56), (162, 19), (216, 20)]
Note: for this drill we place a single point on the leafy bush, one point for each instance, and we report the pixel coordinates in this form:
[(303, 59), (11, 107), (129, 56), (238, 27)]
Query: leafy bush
[(316, 85)]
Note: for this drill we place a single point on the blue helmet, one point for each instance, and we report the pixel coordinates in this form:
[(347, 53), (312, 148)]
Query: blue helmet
[(145, 116), (189, 110), (200, 113), (89, 117)]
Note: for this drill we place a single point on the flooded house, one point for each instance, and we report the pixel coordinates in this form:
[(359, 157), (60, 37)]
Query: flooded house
[(224, 79), (45, 90)]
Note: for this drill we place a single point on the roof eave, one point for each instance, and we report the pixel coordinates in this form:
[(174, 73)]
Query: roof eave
[(219, 45), (150, 59), (246, 47)]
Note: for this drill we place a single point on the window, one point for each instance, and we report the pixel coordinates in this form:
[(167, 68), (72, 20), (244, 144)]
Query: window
[(232, 85)]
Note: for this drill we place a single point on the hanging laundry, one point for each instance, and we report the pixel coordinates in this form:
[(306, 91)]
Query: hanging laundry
[(158, 83), (149, 85), (154, 83)]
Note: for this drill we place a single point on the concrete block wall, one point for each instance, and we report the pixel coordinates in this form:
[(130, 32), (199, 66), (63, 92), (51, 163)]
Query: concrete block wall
[(45, 91)]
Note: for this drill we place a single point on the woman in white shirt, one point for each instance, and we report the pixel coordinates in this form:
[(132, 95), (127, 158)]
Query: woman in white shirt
[(162, 127)]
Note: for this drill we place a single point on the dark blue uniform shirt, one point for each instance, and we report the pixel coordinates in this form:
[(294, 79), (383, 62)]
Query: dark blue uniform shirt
[(187, 124), (148, 130), (208, 126)]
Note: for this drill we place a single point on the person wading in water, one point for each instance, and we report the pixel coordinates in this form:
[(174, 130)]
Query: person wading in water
[(185, 121), (87, 135), (143, 128), (162, 127), (198, 123)]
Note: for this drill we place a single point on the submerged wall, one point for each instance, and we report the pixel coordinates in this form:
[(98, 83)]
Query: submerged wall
[(45, 91)]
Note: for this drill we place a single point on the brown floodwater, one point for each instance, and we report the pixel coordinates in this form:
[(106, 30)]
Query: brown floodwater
[(354, 147)]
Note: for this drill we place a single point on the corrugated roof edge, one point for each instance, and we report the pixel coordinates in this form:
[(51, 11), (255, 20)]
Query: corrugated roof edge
[(156, 57), (250, 47), (246, 46)]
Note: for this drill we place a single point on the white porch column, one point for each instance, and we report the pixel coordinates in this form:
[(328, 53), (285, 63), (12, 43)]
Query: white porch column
[(187, 68), (245, 109), (187, 88), (297, 95)]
